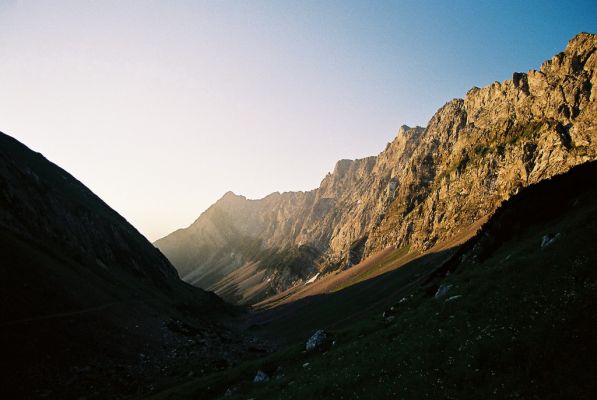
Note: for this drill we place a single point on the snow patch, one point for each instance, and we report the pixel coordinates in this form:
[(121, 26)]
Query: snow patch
[(312, 279)]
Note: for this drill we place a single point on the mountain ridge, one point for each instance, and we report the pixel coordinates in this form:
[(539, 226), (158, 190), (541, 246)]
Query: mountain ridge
[(428, 185)]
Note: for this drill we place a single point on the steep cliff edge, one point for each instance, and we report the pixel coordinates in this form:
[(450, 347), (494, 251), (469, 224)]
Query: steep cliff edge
[(478, 151), (427, 186)]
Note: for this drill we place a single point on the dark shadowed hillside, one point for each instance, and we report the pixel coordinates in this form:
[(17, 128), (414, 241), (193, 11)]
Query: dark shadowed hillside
[(87, 305)]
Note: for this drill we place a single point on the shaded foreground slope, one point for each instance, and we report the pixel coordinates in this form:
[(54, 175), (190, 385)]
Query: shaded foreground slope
[(428, 185), (88, 307), (516, 318)]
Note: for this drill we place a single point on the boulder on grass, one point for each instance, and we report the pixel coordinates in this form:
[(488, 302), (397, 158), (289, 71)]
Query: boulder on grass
[(318, 341)]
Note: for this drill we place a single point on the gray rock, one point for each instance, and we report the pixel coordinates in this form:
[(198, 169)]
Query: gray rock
[(388, 315), (425, 187), (317, 340), (548, 239), (442, 291), (453, 298), (261, 377)]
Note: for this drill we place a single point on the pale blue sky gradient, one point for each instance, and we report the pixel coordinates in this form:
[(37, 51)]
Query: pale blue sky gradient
[(160, 107)]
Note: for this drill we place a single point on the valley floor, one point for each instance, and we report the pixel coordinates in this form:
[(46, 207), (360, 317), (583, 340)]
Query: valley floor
[(509, 314)]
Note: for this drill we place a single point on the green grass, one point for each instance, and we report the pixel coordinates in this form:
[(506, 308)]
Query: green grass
[(523, 328), (483, 150), (384, 264), (515, 135), (522, 132)]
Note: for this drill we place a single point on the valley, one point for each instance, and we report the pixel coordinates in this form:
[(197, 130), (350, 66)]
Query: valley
[(459, 263), (517, 319)]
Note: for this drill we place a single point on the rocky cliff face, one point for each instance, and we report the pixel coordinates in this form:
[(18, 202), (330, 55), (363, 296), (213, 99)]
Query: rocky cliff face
[(476, 152), (428, 185)]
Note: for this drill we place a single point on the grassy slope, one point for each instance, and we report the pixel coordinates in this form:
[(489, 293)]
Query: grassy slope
[(523, 328)]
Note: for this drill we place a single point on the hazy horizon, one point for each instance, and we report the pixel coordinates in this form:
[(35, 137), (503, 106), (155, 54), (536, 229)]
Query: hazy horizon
[(162, 107)]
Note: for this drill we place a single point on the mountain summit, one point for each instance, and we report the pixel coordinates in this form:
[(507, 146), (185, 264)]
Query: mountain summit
[(428, 187)]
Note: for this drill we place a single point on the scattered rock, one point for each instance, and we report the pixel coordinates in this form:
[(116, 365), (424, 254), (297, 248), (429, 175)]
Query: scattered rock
[(453, 298), (317, 340), (261, 377), (388, 313), (548, 239), (442, 291)]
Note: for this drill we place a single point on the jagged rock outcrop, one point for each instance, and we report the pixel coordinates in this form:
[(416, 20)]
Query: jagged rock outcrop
[(478, 151), (285, 238), (427, 186)]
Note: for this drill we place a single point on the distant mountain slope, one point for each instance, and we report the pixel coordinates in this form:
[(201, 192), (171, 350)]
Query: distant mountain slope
[(83, 294), (561, 209), (428, 185), (514, 319)]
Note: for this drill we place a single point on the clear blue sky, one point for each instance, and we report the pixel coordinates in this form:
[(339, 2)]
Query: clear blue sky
[(162, 106)]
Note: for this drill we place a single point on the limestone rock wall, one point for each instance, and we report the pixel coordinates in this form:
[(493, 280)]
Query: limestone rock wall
[(428, 185)]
